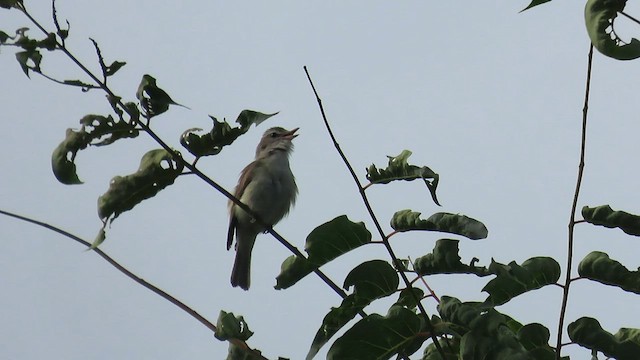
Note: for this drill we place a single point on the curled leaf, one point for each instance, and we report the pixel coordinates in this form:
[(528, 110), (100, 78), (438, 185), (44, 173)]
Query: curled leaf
[(157, 170), (607, 217), (444, 259), (221, 135), (599, 17), (96, 130), (230, 326), (623, 345), (400, 169), (512, 280), (598, 266), (153, 99), (323, 244), (408, 220)]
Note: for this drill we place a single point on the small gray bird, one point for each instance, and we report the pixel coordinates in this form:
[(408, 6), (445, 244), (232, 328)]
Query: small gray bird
[(269, 188)]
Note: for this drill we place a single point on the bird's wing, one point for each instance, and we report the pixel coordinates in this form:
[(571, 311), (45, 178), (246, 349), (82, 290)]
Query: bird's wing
[(246, 175), (233, 222)]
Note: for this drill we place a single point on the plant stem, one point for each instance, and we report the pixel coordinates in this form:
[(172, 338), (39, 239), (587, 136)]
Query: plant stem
[(574, 206), (137, 279), (178, 157), (385, 239)]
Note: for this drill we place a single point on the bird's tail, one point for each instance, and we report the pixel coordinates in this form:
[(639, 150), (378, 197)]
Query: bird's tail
[(241, 273)]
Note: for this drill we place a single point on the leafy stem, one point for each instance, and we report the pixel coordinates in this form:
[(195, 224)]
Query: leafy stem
[(574, 206), (385, 240)]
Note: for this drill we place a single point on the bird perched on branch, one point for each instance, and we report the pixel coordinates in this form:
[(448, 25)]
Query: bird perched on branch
[(267, 186)]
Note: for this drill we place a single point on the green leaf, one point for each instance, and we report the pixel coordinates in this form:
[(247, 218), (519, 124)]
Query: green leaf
[(512, 280), (623, 345), (29, 60), (599, 16), (8, 4), (371, 280), (153, 99), (377, 336), (408, 300), (230, 326), (4, 36), (599, 267), (399, 169), (50, 42), (607, 217), (96, 130), (323, 244), (221, 135), (157, 170), (444, 259), (114, 67), (408, 220), (485, 333), (451, 351), (535, 3)]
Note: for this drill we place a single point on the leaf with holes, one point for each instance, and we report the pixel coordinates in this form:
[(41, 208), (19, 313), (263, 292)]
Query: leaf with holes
[(400, 169), (96, 130), (153, 99), (607, 217), (323, 244), (623, 345), (513, 279), (221, 135), (599, 16), (408, 220), (597, 266), (157, 170)]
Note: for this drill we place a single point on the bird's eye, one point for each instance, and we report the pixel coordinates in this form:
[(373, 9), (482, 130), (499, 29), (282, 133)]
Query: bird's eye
[(273, 134)]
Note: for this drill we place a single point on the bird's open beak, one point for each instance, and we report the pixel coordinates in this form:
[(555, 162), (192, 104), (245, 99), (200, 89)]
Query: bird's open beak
[(291, 134)]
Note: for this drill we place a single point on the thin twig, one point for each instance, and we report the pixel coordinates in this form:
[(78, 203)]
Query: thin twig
[(178, 157), (574, 206), (241, 344), (396, 262), (630, 17)]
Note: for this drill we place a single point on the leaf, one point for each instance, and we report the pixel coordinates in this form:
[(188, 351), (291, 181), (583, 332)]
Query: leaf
[(114, 67), (623, 345), (371, 280), (96, 130), (221, 135), (157, 170), (323, 244), (512, 280), (485, 333), (230, 326), (8, 4), (444, 259), (153, 99), (597, 266), (29, 60), (408, 300), (535, 3), (599, 16), (408, 220), (377, 336), (607, 217), (399, 169)]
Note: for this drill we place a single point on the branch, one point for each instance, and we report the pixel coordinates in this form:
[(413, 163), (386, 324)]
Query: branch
[(385, 239), (239, 343), (178, 157), (574, 206)]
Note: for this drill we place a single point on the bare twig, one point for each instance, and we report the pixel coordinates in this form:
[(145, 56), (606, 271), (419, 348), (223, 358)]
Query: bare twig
[(574, 206), (396, 262), (241, 344)]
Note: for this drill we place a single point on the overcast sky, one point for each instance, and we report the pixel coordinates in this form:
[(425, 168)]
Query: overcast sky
[(489, 98)]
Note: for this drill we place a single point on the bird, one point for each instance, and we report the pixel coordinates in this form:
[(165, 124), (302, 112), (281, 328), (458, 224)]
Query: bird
[(267, 186)]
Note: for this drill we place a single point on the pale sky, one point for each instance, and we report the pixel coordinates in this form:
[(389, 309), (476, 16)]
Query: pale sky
[(489, 98)]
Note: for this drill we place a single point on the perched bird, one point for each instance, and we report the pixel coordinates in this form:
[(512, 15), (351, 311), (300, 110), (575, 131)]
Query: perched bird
[(269, 188)]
